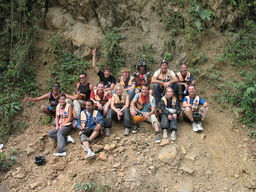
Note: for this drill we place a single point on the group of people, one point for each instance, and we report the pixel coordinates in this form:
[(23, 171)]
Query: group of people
[(92, 109)]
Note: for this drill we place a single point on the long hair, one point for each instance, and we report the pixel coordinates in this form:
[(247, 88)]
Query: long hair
[(168, 88), (124, 94)]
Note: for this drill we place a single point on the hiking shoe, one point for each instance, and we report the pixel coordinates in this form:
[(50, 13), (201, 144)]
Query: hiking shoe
[(90, 155), (194, 127), (126, 131), (70, 139), (60, 154), (84, 148), (165, 136), (158, 138), (136, 129), (107, 132), (200, 127), (173, 136)]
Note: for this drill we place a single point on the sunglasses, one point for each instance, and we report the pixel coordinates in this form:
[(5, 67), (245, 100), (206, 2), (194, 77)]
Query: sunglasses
[(81, 77)]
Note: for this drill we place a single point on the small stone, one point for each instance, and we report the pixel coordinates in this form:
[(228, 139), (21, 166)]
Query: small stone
[(164, 142), (117, 165), (121, 174), (183, 150), (187, 170), (110, 147), (102, 156)]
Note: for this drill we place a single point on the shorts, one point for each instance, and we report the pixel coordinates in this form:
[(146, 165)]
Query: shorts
[(152, 118)]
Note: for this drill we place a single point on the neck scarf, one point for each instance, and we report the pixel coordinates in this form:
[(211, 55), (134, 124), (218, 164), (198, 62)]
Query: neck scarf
[(144, 98)]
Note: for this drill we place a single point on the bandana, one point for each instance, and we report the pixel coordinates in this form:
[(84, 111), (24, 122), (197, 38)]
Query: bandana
[(144, 98)]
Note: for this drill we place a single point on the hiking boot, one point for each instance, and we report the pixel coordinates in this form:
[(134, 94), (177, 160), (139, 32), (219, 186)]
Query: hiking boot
[(200, 127), (165, 136), (70, 139), (107, 132), (136, 129), (90, 155), (173, 136), (158, 138), (126, 131), (194, 127), (84, 148), (60, 154)]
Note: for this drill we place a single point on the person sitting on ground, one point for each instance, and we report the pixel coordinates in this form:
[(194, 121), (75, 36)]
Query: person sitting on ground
[(127, 82), (64, 116), (192, 112), (170, 110), (162, 79), (145, 104), (49, 110), (101, 99), (119, 110), (185, 78), (142, 76), (89, 122), (83, 91), (105, 77)]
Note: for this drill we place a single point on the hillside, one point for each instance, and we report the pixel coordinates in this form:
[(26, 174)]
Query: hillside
[(221, 158)]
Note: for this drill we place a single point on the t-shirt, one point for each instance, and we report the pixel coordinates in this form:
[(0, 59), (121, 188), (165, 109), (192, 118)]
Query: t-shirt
[(147, 106), (201, 100), (107, 81), (156, 74)]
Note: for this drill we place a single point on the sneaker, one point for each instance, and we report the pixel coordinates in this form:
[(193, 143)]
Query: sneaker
[(107, 132), (165, 136), (200, 127), (60, 154), (136, 129), (173, 136), (84, 148), (158, 138), (126, 131), (90, 155), (194, 127), (70, 139)]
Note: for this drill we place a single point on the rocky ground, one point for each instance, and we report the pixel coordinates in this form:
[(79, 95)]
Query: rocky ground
[(218, 159)]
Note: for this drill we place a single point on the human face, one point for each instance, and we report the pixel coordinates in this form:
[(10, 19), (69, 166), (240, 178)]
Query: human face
[(107, 73), (169, 93), (82, 78), (88, 106), (125, 75), (142, 68), (191, 90), (184, 68), (164, 67), (62, 100), (100, 88), (118, 90), (144, 90)]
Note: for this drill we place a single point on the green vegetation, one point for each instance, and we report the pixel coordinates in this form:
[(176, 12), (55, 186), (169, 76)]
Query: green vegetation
[(112, 51), (90, 186), (7, 161)]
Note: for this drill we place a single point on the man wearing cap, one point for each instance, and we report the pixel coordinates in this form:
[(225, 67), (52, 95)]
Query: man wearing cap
[(83, 90), (162, 79), (109, 80), (49, 110), (128, 82)]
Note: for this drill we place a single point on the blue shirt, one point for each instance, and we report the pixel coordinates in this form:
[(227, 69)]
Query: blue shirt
[(147, 106), (91, 122), (201, 100)]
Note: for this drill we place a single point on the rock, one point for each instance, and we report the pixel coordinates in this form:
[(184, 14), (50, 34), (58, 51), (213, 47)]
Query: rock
[(190, 157), (110, 147), (19, 176), (59, 166), (30, 150), (33, 185), (167, 155), (96, 148), (164, 142), (121, 149), (102, 156), (117, 165), (187, 170), (183, 150), (202, 136), (121, 174)]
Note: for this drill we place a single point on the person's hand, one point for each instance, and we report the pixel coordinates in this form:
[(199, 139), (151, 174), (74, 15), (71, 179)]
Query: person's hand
[(119, 115), (133, 112), (170, 117), (57, 128), (146, 116), (166, 84), (94, 52), (174, 116), (99, 106), (26, 98)]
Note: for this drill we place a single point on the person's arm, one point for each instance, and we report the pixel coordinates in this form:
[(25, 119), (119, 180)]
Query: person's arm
[(78, 125), (162, 107), (133, 102), (112, 105), (36, 99), (72, 97), (185, 103), (178, 109), (96, 69), (127, 102), (70, 116)]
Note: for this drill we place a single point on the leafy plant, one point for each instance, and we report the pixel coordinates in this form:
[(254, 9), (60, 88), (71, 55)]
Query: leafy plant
[(90, 186), (7, 161)]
